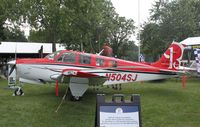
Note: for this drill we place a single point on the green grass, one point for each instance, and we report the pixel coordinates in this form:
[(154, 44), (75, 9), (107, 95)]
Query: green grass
[(163, 104)]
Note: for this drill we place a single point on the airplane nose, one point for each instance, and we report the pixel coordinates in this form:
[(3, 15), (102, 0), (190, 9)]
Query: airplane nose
[(13, 62)]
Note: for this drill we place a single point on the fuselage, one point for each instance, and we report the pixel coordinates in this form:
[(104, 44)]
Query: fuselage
[(116, 70)]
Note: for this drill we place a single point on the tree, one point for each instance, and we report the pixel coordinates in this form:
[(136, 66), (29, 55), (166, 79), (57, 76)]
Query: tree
[(71, 22), (43, 16), (120, 33), (8, 10), (77, 24), (152, 44), (14, 35), (128, 51), (170, 21)]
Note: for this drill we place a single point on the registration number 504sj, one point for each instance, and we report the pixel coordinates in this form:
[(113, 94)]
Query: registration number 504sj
[(121, 77)]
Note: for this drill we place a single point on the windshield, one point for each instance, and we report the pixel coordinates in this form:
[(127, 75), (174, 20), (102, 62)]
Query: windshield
[(53, 55)]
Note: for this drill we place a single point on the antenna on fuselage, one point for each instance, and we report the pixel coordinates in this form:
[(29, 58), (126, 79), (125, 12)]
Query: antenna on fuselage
[(100, 52)]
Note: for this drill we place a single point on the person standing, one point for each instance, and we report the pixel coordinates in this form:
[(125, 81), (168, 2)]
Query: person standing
[(107, 50)]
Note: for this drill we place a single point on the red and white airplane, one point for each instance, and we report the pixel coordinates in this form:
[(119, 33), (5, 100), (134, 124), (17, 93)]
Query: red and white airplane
[(84, 69)]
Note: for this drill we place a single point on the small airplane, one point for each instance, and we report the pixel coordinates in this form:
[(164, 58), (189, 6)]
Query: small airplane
[(84, 69)]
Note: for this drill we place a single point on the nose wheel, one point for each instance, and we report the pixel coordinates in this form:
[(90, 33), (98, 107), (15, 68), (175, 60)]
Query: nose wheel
[(18, 92)]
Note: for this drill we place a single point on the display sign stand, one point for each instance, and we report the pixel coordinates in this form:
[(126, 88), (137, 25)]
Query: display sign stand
[(118, 112)]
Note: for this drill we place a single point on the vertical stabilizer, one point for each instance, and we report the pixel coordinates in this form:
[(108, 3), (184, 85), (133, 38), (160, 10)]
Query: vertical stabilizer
[(171, 58)]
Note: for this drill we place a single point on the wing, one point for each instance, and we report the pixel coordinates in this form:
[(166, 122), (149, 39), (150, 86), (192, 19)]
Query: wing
[(94, 79)]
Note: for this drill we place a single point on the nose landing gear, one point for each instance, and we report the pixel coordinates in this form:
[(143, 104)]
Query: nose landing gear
[(18, 92)]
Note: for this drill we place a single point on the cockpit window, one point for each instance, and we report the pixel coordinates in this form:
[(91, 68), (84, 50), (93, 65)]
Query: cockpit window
[(67, 57), (53, 55), (84, 59)]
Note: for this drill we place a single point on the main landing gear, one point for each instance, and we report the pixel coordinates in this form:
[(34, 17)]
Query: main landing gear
[(71, 97), (77, 87)]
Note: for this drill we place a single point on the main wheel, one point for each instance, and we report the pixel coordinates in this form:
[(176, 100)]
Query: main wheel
[(76, 98)]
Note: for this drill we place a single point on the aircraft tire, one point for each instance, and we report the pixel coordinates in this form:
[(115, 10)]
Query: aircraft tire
[(76, 98), (18, 92)]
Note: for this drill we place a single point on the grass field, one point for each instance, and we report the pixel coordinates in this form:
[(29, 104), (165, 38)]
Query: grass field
[(163, 104)]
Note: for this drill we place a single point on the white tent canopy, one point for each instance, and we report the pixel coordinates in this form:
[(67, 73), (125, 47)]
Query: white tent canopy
[(27, 47), (191, 41)]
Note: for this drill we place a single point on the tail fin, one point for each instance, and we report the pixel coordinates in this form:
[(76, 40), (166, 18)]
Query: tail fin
[(171, 58)]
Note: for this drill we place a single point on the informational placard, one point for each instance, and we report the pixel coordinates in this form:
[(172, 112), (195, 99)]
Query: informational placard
[(118, 113), (119, 116)]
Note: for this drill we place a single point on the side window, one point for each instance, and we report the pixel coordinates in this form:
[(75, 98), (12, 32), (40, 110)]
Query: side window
[(99, 62), (84, 59), (67, 57), (112, 63)]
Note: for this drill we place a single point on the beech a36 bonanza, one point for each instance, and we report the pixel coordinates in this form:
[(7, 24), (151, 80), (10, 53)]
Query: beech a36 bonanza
[(84, 69)]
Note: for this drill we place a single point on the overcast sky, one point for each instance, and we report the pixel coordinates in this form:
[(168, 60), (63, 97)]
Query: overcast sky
[(129, 9)]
